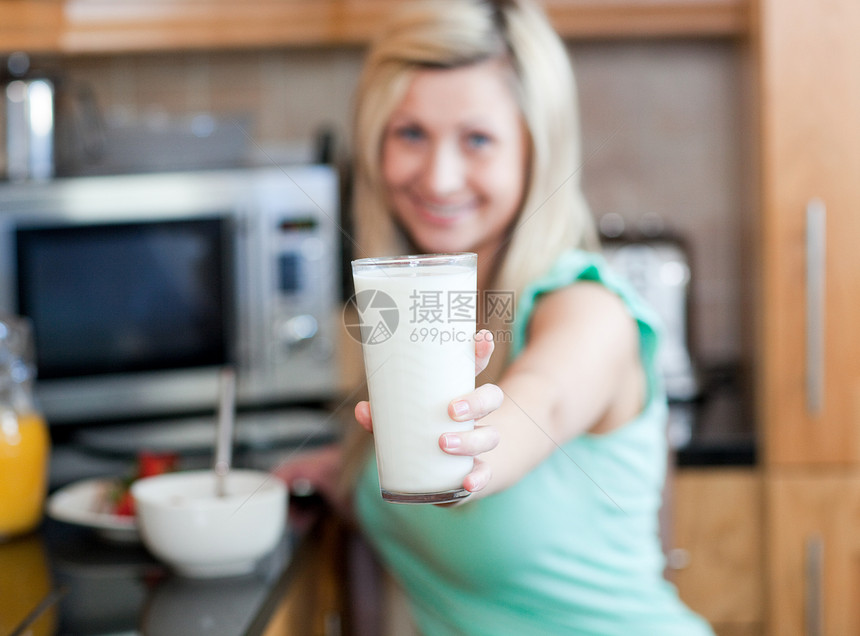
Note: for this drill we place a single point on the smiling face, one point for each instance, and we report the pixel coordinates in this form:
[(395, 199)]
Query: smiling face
[(454, 158)]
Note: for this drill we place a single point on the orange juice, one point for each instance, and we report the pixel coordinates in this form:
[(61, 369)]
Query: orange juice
[(24, 448)]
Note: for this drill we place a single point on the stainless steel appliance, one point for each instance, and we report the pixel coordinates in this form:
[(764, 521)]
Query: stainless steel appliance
[(140, 288), (658, 268), (29, 106)]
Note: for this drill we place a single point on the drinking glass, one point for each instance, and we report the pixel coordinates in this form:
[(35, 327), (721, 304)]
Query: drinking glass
[(416, 318)]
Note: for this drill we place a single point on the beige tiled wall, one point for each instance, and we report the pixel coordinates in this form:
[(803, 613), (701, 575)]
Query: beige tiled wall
[(286, 95), (661, 134)]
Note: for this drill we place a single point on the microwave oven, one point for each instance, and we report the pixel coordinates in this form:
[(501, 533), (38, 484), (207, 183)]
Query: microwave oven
[(139, 288)]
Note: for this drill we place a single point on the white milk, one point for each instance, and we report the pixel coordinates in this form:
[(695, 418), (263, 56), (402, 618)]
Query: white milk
[(426, 362)]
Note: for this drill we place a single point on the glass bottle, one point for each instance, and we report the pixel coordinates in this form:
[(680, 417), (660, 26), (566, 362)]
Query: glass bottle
[(24, 439)]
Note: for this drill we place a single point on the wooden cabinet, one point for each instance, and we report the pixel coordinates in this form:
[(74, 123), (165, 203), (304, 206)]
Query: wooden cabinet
[(106, 26), (814, 565), (716, 554), (808, 56)]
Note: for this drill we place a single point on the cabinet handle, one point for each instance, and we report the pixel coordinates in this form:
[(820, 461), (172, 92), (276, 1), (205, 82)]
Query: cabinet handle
[(814, 592), (816, 226)]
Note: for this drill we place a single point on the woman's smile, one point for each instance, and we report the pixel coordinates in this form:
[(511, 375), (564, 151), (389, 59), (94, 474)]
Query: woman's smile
[(444, 213)]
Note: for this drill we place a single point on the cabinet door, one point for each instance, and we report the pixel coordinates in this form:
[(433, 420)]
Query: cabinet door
[(716, 559), (809, 333), (814, 564)]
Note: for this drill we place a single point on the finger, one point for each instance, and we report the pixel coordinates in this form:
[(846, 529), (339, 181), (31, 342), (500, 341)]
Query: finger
[(480, 440), (284, 472), (362, 415), (484, 347), (475, 405), (479, 477)]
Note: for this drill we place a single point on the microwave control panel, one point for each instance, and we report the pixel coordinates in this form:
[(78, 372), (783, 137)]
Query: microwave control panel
[(292, 235)]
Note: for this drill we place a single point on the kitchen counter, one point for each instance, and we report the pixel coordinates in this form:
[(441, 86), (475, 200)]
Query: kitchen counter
[(73, 582)]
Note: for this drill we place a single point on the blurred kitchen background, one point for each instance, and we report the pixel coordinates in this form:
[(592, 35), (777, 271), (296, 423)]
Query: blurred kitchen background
[(663, 136), (667, 121), (663, 147)]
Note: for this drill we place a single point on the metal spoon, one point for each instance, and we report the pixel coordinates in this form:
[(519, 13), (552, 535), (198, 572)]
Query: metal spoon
[(224, 436)]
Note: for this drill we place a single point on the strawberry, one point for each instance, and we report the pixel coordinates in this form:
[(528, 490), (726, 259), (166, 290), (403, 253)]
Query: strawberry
[(124, 506), (150, 464)]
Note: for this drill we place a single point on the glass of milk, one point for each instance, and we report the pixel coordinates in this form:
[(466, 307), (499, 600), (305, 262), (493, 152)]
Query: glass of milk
[(416, 321)]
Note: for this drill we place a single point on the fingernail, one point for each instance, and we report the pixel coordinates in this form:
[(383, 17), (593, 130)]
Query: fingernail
[(461, 407), (302, 487), (451, 442)]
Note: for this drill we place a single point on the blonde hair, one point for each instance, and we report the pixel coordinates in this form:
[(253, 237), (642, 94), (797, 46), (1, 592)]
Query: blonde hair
[(454, 33)]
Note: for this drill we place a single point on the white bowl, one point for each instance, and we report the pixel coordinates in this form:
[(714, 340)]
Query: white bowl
[(184, 524)]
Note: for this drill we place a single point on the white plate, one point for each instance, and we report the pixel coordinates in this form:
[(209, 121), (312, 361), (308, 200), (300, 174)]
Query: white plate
[(81, 503)]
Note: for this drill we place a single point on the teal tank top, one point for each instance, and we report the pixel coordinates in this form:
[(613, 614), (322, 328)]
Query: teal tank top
[(572, 548)]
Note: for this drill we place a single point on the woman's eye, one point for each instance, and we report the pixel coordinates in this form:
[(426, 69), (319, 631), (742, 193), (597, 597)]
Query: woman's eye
[(477, 140), (409, 133)]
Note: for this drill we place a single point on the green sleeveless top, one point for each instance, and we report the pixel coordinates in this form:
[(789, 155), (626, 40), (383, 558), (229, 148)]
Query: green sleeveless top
[(572, 548)]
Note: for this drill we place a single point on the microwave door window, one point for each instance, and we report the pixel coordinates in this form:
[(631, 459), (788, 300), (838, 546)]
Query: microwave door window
[(125, 297)]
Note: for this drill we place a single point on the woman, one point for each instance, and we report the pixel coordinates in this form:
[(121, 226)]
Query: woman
[(466, 140)]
